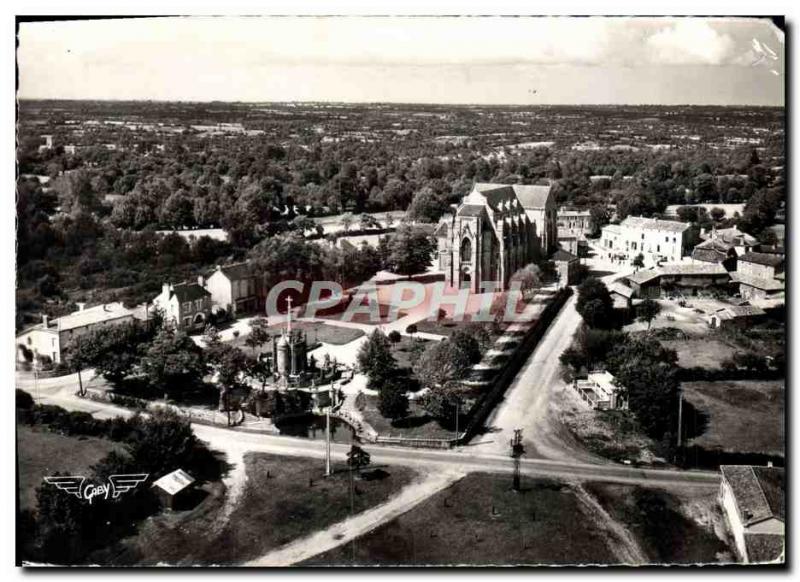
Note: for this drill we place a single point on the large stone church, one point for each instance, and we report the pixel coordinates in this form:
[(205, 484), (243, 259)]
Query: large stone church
[(496, 230)]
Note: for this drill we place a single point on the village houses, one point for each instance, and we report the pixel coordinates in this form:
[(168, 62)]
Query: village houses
[(656, 240), (187, 306), (50, 338), (234, 288)]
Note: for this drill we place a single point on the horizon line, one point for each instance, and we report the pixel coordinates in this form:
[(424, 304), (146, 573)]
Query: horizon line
[(333, 102)]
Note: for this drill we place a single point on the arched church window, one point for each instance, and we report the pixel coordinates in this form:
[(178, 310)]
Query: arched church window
[(466, 250)]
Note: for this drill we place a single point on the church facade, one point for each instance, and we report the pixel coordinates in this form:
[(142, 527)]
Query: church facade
[(495, 231)]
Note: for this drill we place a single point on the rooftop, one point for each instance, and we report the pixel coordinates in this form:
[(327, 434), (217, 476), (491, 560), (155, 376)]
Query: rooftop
[(763, 548), (236, 271), (174, 482), (654, 224), (563, 256), (188, 291), (644, 276), (758, 491), (768, 259), (758, 282), (701, 268), (621, 289), (85, 317)]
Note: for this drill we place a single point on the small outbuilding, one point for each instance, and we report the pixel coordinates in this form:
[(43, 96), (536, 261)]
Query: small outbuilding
[(174, 489)]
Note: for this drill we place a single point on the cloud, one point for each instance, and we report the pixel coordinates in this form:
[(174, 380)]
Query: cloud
[(690, 41)]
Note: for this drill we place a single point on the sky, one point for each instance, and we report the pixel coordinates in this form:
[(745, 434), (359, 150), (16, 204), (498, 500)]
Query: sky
[(479, 60)]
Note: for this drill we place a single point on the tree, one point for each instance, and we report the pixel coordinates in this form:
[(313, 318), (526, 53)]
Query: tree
[(529, 279), (445, 361), (648, 373), (367, 221), (426, 206), (594, 303), (599, 216), (259, 333), (394, 336), (173, 362), (357, 458), (638, 261), (375, 359), (410, 251), (647, 311), (411, 329), (112, 351), (393, 401)]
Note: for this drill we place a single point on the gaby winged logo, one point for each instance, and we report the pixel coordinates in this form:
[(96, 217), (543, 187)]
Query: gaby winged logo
[(116, 485)]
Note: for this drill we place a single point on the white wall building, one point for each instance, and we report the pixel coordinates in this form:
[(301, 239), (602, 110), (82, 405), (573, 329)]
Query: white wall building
[(658, 240), (50, 338), (753, 501)]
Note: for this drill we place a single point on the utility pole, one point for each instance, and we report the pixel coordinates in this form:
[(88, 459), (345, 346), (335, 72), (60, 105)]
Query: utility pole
[(680, 416), (517, 450), (328, 442), (458, 411)]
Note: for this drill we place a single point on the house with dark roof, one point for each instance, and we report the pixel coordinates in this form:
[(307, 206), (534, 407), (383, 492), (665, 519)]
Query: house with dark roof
[(187, 306), (716, 251), (234, 288), (680, 278), (753, 500), (761, 265)]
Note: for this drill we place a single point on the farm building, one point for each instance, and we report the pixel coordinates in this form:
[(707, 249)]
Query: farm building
[(681, 279), (740, 315), (753, 500)]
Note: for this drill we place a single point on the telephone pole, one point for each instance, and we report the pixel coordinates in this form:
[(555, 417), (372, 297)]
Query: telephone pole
[(680, 416), (517, 450), (328, 442)]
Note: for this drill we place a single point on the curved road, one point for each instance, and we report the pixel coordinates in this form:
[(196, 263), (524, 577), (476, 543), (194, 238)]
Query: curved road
[(235, 443)]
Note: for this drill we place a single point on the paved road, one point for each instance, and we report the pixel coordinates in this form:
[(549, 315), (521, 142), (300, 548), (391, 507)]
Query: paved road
[(527, 404), (236, 443)]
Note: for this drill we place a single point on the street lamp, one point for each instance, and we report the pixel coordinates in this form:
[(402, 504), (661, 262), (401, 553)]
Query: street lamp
[(517, 450)]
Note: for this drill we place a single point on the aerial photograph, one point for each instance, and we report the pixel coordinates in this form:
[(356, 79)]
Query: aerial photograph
[(400, 291)]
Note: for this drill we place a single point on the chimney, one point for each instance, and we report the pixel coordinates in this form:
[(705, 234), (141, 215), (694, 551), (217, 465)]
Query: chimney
[(45, 320), (81, 306), (201, 281)]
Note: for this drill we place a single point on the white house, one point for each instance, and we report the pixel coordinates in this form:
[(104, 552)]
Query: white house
[(50, 338), (234, 288), (753, 501), (657, 240)]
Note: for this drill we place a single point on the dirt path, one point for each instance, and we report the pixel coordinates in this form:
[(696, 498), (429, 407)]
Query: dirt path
[(623, 543), (351, 528)]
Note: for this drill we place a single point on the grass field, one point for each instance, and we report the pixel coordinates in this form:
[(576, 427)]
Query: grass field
[(417, 425), (745, 416), (41, 453), (279, 504), (481, 521), (669, 527), (315, 331), (700, 353)]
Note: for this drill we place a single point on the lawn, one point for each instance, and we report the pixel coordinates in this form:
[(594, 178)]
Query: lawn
[(417, 425), (481, 521), (669, 527), (700, 353), (41, 453), (744, 416), (285, 498), (315, 331)]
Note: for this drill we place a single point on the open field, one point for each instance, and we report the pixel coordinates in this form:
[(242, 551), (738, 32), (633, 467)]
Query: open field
[(700, 353), (745, 416), (480, 520), (284, 498), (669, 527), (41, 453)]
